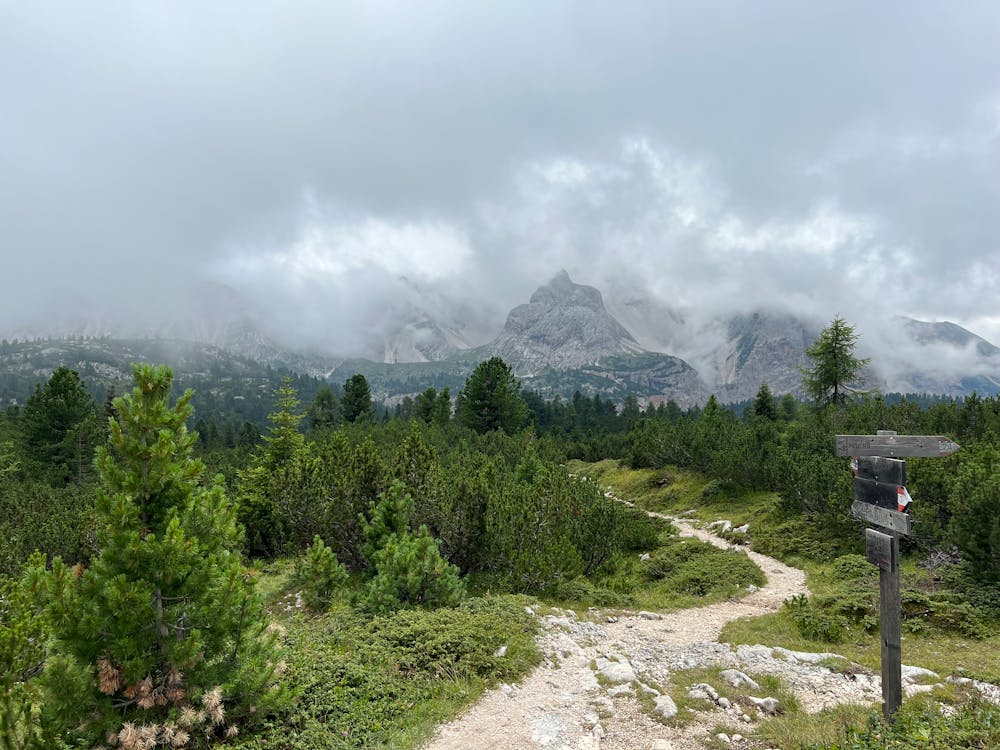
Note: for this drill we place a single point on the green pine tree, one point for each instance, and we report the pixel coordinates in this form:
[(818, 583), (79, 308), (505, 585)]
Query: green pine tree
[(356, 403), (832, 378), (408, 568), (491, 399), (164, 633), (763, 404), (60, 428)]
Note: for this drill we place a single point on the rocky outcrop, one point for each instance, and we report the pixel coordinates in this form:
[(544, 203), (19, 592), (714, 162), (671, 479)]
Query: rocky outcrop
[(564, 326)]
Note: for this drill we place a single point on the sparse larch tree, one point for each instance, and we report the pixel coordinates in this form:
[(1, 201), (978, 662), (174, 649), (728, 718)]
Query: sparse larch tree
[(834, 373)]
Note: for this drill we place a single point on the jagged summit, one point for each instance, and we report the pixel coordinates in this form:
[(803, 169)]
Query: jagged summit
[(564, 325), (563, 292)]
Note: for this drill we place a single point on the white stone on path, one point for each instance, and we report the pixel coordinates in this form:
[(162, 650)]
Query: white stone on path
[(615, 671), (737, 679), (665, 707)]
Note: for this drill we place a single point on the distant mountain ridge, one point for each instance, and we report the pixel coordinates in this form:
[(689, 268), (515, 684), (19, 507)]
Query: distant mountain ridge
[(565, 338)]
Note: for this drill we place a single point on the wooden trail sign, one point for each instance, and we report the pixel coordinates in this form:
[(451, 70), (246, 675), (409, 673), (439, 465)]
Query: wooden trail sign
[(878, 493), (879, 549), (896, 446), (893, 520), (879, 497), (888, 470)]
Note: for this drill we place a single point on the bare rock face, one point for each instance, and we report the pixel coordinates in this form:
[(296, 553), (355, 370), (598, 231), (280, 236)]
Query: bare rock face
[(420, 338), (564, 326), (762, 348)]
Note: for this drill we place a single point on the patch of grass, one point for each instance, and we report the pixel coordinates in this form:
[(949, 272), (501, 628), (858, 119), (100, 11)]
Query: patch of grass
[(944, 653), (385, 683), (921, 724), (680, 573), (791, 731), (667, 490)]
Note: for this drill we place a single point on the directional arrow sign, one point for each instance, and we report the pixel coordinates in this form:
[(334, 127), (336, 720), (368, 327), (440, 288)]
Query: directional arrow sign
[(887, 519), (896, 446)]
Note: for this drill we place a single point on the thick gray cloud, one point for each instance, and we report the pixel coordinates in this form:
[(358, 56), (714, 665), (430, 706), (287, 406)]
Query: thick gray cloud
[(830, 157)]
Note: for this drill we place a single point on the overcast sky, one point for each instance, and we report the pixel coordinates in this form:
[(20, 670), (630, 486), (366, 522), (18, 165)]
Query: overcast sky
[(831, 157)]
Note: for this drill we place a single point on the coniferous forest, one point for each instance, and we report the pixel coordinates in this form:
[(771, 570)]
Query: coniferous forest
[(350, 573)]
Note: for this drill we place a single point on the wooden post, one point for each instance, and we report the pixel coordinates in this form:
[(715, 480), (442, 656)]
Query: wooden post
[(890, 614), (889, 629)]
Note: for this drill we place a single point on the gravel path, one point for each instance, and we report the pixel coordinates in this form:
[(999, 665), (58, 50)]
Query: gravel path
[(563, 706)]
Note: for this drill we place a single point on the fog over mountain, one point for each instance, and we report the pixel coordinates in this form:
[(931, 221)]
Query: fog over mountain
[(389, 180)]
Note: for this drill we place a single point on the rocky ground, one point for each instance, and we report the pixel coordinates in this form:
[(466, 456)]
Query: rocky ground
[(600, 683)]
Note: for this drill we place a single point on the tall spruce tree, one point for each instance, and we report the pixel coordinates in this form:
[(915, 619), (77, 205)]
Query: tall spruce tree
[(491, 399), (164, 637), (60, 428), (356, 403)]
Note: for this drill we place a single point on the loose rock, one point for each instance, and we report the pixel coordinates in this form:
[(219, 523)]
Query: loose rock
[(665, 707)]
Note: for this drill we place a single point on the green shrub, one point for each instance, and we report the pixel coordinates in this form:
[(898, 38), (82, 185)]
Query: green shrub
[(456, 643), (35, 516), (318, 575), (22, 639), (408, 568), (664, 561), (804, 538), (922, 726), (813, 622), (692, 567), (369, 684), (943, 611), (713, 571), (852, 568)]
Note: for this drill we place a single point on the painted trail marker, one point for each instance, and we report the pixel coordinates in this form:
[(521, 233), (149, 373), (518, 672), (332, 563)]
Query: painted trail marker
[(881, 499)]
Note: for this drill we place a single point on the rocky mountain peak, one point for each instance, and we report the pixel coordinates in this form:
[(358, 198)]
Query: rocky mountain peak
[(561, 291), (564, 325)]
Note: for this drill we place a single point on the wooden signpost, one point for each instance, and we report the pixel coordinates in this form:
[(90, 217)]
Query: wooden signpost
[(881, 499)]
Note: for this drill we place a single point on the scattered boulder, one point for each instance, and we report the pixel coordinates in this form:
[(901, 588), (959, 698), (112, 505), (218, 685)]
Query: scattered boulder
[(807, 657), (648, 690), (742, 529), (738, 679), (650, 615), (705, 691), (724, 527), (769, 706), (912, 674), (615, 671), (664, 707)]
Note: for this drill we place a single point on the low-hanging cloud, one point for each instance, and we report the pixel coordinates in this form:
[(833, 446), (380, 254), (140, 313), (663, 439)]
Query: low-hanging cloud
[(338, 165)]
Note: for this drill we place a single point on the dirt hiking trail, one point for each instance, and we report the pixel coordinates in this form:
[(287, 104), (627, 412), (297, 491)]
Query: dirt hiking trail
[(562, 705)]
